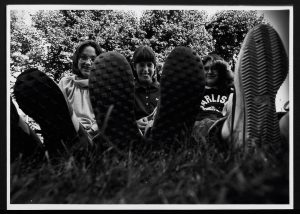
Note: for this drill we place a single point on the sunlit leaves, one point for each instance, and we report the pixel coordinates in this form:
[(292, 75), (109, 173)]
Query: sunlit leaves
[(167, 29), (229, 28)]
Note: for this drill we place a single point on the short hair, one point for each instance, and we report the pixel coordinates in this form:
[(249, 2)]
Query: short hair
[(225, 79), (143, 54), (79, 50)]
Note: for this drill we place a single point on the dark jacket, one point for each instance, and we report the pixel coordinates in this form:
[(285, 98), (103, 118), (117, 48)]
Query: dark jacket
[(146, 99)]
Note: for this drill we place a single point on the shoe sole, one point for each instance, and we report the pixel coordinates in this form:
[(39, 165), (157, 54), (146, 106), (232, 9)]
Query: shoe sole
[(263, 68), (41, 99), (111, 86), (182, 85)]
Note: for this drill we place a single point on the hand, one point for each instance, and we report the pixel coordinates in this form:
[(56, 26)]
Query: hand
[(149, 125), (142, 123)]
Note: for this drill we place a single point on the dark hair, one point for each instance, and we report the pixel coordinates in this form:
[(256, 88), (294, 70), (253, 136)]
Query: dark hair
[(78, 51), (211, 57), (225, 79), (143, 54)]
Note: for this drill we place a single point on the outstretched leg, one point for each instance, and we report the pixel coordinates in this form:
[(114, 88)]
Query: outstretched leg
[(40, 98), (261, 69), (182, 86), (112, 96), (23, 139)]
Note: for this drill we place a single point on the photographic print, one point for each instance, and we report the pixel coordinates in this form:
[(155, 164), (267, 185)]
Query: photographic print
[(149, 107)]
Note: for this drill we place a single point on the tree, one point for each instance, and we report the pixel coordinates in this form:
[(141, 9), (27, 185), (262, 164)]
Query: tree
[(65, 29), (26, 45), (166, 29), (58, 43), (118, 31), (229, 28), (49, 41)]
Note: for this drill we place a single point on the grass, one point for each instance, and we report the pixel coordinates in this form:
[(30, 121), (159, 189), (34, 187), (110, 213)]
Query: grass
[(194, 173)]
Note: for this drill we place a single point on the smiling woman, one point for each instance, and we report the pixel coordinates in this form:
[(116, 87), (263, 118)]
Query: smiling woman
[(86, 60), (219, 86), (75, 88), (146, 84)]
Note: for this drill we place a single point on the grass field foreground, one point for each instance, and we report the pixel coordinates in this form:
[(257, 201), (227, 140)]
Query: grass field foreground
[(193, 173)]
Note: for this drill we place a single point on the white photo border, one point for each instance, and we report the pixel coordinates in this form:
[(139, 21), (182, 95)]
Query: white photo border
[(153, 206)]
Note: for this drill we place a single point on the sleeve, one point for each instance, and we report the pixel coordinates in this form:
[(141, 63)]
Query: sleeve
[(66, 85), (228, 105)]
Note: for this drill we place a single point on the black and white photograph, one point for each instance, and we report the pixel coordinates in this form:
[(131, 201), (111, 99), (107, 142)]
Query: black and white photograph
[(149, 107)]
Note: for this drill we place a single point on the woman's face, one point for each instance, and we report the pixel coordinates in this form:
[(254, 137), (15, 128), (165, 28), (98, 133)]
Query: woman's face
[(211, 75), (145, 72), (86, 60)]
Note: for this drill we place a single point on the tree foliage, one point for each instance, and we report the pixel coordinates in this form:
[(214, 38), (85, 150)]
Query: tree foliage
[(27, 46), (49, 39), (229, 28), (166, 29), (65, 29)]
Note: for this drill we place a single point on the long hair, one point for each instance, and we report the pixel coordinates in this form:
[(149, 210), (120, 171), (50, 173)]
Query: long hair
[(79, 50), (225, 79)]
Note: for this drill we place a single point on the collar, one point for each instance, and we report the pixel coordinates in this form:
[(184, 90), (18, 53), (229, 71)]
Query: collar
[(83, 83)]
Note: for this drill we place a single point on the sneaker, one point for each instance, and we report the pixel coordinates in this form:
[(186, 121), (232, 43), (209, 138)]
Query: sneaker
[(181, 90), (261, 68), (40, 98), (111, 89)]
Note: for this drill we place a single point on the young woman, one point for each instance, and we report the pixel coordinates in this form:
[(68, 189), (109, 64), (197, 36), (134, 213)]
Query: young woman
[(219, 85), (75, 87), (63, 112), (146, 85)]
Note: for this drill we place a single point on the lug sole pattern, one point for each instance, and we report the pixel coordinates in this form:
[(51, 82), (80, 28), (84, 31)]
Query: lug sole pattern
[(182, 86), (112, 85), (263, 68)]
